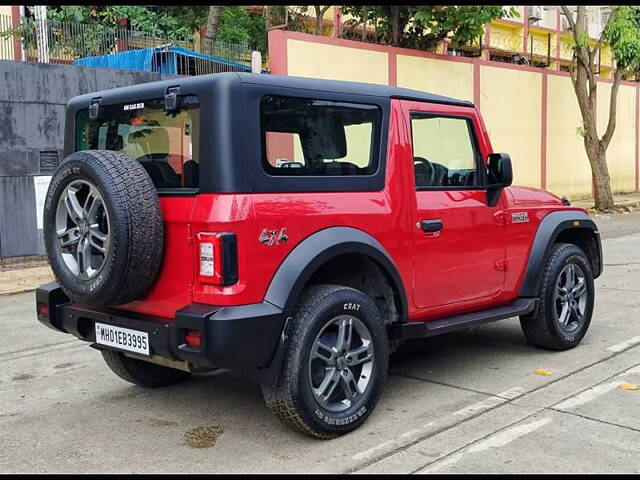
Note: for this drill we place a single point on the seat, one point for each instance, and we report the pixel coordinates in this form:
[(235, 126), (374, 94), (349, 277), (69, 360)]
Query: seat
[(191, 171), (340, 168), (159, 170), (423, 171)]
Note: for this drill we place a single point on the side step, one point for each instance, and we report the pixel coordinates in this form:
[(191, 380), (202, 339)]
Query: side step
[(521, 306)]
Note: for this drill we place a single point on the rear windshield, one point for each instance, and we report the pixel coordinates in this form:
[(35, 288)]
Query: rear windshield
[(164, 142)]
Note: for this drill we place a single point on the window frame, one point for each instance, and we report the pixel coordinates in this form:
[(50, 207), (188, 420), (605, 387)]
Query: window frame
[(480, 167), (261, 182)]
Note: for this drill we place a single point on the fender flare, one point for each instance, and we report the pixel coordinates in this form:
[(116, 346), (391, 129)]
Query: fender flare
[(550, 227), (310, 254)]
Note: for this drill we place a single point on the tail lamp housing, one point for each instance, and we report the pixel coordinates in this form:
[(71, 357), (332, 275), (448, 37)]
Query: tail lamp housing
[(217, 255)]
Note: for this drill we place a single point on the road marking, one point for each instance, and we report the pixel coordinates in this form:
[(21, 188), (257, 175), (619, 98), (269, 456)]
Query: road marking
[(413, 435), (587, 396), (632, 370), (620, 347), (490, 402), (397, 442), (497, 440)]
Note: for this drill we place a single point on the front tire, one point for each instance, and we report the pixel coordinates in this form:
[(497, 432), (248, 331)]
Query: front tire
[(141, 373), (565, 301), (335, 364)]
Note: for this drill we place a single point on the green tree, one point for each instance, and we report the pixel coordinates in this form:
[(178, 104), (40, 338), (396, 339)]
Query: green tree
[(176, 21), (622, 33), (423, 27)]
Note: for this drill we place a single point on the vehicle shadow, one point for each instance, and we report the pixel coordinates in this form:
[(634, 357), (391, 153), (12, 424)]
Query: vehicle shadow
[(221, 397)]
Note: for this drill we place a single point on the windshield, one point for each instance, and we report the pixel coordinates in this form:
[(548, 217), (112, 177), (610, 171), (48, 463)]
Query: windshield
[(164, 142)]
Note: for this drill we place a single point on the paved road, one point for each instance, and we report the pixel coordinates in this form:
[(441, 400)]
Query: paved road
[(465, 402)]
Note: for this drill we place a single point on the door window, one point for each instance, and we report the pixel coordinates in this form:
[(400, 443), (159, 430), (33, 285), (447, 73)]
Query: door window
[(444, 153)]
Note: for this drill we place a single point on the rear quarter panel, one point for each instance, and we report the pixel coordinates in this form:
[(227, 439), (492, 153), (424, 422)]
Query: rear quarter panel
[(172, 288)]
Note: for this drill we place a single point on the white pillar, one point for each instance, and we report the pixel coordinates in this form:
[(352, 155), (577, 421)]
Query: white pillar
[(42, 36), (256, 62)]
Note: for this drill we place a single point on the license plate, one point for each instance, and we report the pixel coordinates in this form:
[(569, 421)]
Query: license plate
[(122, 338)]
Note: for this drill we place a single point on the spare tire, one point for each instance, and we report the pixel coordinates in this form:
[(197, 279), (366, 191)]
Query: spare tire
[(103, 228)]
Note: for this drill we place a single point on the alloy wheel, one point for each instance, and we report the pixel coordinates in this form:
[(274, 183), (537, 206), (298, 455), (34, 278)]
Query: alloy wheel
[(341, 363), (570, 297), (82, 228)]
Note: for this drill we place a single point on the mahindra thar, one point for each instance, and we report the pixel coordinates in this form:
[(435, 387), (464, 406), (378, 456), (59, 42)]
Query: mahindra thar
[(296, 231)]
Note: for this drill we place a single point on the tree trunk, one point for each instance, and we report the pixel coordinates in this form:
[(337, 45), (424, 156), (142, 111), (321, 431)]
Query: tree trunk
[(364, 26), (597, 155), (319, 16), (395, 24), (585, 86), (212, 26), (320, 11)]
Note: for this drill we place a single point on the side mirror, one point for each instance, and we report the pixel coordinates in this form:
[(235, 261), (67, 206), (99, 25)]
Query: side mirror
[(499, 174)]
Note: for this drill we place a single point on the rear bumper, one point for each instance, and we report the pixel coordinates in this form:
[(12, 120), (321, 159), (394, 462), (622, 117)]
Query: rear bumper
[(245, 338)]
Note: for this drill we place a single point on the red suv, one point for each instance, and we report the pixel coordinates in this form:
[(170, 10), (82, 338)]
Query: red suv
[(296, 231)]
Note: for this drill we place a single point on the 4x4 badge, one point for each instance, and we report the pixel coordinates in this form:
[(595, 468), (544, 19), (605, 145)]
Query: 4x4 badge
[(273, 238), (520, 217)]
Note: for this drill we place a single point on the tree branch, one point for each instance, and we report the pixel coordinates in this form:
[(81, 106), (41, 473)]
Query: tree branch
[(604, 29), (611, 126), (569, 16), (572, 74)]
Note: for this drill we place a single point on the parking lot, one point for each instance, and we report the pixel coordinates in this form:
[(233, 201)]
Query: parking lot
[(472, 401)]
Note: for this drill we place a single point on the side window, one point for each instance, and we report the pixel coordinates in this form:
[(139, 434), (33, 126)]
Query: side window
[(444, 152), (302, 136)]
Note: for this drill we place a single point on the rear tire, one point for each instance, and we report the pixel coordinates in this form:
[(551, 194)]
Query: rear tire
[(328, 387), (565, 301), (103, 228), (141, 373)]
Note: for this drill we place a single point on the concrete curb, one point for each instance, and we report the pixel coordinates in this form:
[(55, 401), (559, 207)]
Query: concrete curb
[(24, 280)]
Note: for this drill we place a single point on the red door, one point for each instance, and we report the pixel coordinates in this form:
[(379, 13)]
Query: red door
[(458, 240)]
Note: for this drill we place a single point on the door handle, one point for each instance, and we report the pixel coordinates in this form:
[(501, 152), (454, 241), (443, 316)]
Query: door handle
[(431, 226)]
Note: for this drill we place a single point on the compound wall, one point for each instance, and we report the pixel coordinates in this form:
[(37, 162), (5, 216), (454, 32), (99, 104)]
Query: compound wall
[(32, 105), (530, 113)]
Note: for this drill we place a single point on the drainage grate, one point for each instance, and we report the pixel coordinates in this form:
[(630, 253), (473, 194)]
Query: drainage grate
[(48, 161)]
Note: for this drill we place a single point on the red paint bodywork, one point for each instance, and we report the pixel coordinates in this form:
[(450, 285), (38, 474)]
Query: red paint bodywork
[(476, 261)]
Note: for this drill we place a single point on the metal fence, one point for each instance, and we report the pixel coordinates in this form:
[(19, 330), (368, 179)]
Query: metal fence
[(50, 41)]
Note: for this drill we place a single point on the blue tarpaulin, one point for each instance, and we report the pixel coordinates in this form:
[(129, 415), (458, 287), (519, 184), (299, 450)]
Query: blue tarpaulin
[(163, 59)]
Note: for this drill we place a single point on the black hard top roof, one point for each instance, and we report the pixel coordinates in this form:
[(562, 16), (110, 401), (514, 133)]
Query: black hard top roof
[(357, 88), (337, 86)]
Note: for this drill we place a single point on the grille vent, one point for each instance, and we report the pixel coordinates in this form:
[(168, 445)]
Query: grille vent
[(48, 161)]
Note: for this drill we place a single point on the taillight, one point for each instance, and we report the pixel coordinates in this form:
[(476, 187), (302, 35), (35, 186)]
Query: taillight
[(43, 309), (218, 258), (193, 338)]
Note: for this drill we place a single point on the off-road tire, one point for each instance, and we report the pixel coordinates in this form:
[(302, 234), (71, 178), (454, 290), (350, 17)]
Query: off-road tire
[(136, 233), (541, 328), (291, 398), (141, 373)]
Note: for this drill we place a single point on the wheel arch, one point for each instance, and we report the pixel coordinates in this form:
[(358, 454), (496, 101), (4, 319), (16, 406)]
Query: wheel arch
[(319, 250), (567, 226)]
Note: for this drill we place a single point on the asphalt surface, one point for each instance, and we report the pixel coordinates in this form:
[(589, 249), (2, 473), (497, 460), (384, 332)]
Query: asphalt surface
[(465, 402)]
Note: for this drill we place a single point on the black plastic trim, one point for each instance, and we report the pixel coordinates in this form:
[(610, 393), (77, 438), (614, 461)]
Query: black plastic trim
[(245, 338), (548, 230), (298, 267), (229, 259), (520, 306), (52, 295)]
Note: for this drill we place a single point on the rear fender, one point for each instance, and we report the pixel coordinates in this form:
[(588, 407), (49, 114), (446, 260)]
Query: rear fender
[(298, 267)]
